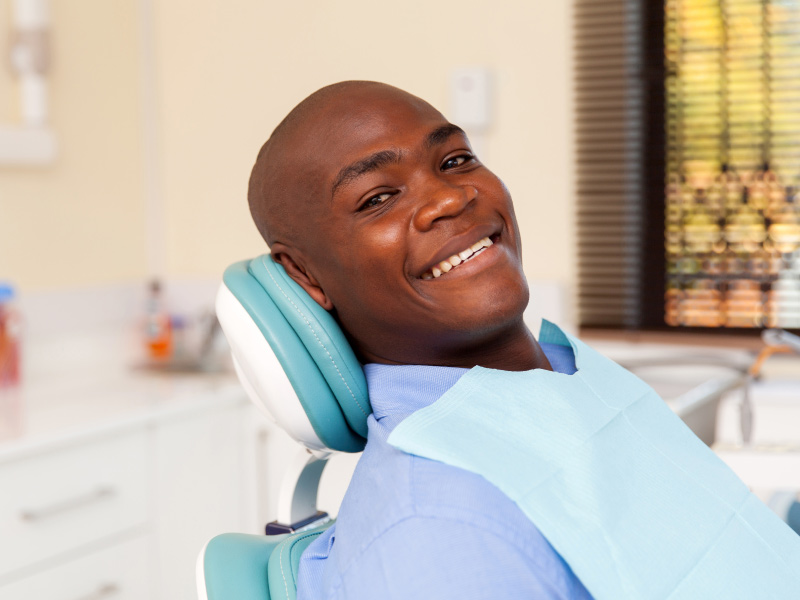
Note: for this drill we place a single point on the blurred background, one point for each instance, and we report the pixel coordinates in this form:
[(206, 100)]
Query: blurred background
[(159, 109), (652, 149)]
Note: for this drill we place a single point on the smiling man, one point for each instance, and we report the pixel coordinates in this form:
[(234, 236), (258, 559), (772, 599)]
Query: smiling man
[(486, 450), (376, 205)]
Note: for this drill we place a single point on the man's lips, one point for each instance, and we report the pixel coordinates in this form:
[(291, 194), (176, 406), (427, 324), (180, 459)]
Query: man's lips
[(460, 249)]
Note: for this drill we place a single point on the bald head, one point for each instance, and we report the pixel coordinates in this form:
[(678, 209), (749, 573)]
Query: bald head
[(285, 183)]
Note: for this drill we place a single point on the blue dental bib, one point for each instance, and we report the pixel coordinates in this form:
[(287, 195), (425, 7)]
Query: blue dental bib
[(635, 503)]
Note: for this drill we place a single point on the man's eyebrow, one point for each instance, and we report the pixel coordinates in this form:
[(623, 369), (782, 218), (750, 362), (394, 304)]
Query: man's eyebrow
[(385, 157), (440, 134), (366, 165)]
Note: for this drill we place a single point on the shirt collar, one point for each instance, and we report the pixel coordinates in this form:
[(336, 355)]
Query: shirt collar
[(396, 391)]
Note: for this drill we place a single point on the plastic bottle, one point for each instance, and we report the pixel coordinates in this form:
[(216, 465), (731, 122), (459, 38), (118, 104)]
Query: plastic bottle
[(11, 422), (10, 329), (157, 331)]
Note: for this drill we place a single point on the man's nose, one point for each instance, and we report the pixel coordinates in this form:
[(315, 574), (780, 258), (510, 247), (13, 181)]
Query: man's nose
[(440, 201)]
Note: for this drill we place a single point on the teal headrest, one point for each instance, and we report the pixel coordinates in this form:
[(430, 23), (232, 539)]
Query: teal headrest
[(310, 347)]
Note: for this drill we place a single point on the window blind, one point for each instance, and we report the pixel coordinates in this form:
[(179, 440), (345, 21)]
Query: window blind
[(609, 144)]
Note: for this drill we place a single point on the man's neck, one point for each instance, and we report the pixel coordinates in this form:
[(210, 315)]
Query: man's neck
[(514, 350)]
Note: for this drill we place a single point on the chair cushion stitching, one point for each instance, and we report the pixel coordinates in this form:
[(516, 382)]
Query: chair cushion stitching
[(286, 548), (285, 583), (302, 316)]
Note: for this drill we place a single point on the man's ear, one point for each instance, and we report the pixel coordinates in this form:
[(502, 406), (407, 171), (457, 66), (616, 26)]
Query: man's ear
[(297, 271)]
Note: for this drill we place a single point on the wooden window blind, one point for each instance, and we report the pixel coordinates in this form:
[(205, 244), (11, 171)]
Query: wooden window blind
[(609, 143)]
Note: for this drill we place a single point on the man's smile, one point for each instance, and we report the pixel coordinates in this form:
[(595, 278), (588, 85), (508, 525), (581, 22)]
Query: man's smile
[(458, 252), (457, 259)]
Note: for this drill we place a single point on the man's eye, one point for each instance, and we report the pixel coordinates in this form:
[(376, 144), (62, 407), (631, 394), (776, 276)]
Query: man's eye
[(456, 161), (375, 200)]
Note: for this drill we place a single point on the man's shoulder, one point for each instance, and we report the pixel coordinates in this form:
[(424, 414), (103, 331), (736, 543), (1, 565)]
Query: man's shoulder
[(404, 514), (438, 531), (390, 487)]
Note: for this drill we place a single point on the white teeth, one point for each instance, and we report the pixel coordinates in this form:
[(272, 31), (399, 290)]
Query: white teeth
[(447, 265)]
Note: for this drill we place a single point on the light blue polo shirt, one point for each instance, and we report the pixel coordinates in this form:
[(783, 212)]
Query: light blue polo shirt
[(413, 528)]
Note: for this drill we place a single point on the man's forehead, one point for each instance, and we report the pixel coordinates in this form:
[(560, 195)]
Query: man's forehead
[(385, 113), (373, 125), (329, 131)]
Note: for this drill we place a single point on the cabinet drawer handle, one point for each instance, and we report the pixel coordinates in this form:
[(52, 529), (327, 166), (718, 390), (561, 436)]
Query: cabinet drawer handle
[(104, 591), (96, 495)]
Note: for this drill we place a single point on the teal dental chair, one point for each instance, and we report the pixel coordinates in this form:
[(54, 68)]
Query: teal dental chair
[(296, 365)]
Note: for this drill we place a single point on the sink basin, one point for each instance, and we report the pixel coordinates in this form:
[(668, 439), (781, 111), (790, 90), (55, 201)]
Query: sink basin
[(693, 391)]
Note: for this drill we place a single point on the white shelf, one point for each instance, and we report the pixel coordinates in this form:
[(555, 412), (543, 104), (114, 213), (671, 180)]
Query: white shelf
[(27, 146)]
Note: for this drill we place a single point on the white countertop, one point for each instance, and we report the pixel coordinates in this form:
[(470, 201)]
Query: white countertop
[(86, 386), (48, 413)]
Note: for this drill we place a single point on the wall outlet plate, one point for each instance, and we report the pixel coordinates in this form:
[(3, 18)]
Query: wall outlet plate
[(470, 98)]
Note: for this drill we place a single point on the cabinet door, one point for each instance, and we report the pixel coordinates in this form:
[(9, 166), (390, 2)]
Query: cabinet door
[(198, 491), (59, 502), (117, 573)]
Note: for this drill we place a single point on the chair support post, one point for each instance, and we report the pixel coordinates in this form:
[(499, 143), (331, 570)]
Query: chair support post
[(297, 499)]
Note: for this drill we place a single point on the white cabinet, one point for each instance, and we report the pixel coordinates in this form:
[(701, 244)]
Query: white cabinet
[(199, 488), (121, 510), (82, 495), (119, 572)]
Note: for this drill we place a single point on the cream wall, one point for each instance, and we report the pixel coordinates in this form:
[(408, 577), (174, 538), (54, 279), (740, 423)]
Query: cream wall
[(80, 221), (222, 74), (229, 71)]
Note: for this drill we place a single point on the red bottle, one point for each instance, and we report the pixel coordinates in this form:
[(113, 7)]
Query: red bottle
[(10, 326)]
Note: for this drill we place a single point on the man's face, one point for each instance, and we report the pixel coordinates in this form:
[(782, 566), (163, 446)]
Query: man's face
[(415, 241)]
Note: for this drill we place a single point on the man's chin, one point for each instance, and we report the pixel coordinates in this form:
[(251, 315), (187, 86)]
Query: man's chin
[(490, 310)]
